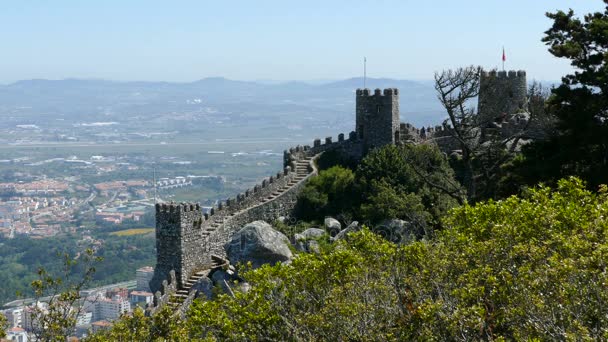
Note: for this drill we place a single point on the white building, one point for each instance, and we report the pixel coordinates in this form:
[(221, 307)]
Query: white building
[(142, 297), (111, 309), (84, 318), (143, 277), (31, 315), (14, 317), (16, 334)]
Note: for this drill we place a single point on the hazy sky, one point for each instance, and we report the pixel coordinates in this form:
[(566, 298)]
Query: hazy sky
[(271, 39)]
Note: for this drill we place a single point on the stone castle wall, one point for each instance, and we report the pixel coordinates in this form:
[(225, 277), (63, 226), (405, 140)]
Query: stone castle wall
[(186, 238)]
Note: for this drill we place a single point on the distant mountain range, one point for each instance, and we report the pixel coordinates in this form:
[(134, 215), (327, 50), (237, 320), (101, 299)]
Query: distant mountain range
[(83, 96)]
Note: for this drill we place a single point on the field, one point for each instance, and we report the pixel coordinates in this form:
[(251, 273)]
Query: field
[(135, 231)]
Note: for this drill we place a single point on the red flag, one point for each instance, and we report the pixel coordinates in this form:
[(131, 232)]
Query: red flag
[(504, 57)]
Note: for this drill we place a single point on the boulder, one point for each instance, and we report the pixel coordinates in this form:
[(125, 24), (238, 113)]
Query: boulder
[(398, 231), (332, 226), (204, 288), (224, 278), (300, 245), (311, 233), (306, 240), (312, 246), (259, 244), (353, 227)]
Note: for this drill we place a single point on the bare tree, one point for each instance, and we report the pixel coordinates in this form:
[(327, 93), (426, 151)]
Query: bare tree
[(455, 90), (484, 146)]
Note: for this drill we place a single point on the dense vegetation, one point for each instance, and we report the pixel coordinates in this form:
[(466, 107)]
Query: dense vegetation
[(580, 104), (523, 268), (531, 266), (21, 257), (392, 182)]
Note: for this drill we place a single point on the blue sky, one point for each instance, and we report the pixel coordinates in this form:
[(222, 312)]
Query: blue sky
[(271, 39)]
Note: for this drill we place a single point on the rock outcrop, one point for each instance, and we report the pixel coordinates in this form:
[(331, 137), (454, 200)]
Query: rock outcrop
[(259, 244), (306, 241), (398, 231), (332, 226), (353, 227)]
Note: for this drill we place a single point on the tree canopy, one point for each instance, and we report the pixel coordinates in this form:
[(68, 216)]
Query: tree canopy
[(409, 182), (580, 103), (524, 268)]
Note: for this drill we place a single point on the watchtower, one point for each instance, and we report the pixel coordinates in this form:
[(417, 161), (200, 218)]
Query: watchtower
[(377, 117), (500, 94), (179, 242)]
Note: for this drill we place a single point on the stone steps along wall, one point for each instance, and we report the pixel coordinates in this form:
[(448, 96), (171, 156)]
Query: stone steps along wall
[(161, 297), (245, 208), (249, 206), (269, 210)]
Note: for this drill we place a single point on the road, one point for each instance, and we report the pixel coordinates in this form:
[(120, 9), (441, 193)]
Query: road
[(131, 284)]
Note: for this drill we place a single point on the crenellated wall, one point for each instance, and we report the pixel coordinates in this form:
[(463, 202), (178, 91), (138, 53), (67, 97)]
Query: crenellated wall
[(187, 240)]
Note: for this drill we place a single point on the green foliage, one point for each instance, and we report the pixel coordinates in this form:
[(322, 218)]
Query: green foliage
[(21, 257), (332, 192), (385, 202), (3, 325), (136, 326), (524, 268), (414, 182), (580, 104), (527, 268), (57, 321), (334, 296), (410, 182)]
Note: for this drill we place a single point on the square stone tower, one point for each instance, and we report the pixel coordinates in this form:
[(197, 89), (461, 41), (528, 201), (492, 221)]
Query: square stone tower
[(179, 242), (377, 117)]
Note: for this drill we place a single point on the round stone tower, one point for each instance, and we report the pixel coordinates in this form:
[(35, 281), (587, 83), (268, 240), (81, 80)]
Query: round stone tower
[(500, 94)]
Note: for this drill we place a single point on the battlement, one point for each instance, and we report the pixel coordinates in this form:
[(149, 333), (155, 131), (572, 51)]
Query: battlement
[(378, 92), (503, 74), (186, 239), (176, 207)]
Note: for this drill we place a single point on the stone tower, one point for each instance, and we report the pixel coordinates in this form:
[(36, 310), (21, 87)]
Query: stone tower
[(501, 94), (179, 242), (377, 122)]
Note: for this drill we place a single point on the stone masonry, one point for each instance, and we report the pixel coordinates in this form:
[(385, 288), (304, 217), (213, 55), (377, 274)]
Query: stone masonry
[(377, 120), (501, 93)]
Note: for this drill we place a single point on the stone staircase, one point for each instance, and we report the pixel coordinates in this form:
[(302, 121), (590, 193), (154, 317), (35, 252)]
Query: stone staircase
[(217, 222), (176, 300), (301, 172)]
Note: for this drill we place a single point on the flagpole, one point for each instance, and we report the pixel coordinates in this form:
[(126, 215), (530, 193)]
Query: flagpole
[(364, 72), (503, 58)]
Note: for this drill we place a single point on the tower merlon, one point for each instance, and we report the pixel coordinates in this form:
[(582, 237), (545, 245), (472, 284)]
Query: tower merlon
[(378, 92), (503, 74)]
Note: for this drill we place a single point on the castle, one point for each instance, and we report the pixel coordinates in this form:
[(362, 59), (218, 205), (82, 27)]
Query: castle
[(189, 242)]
